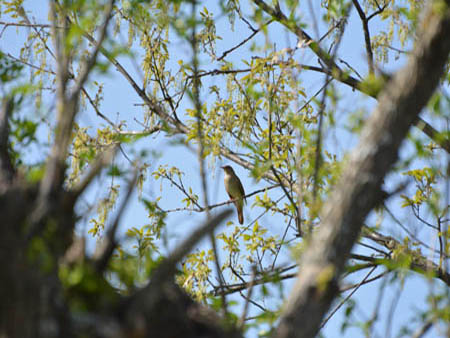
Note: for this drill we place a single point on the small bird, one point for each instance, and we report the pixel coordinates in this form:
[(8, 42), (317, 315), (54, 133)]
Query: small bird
[(235, 190)]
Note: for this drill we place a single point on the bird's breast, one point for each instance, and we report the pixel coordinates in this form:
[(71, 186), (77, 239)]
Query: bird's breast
[(231, 186)]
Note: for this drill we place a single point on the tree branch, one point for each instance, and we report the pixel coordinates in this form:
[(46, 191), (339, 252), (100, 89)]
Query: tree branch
[(419, 263), (365, 24)]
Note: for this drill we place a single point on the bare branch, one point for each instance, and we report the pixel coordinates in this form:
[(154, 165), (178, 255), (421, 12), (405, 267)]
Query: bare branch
[(318, 155), (220, 72), (276, 277), (49, 71), (27, 24), (422, 330), (298, 220), (378, 11), (255, 31), (365, 24), (347, 297), (240, 324), (212, 206), (367, 281)]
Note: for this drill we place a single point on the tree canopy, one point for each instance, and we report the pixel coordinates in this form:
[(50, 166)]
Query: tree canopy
[(116, 117)]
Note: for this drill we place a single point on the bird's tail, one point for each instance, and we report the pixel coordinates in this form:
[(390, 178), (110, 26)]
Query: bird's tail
[(241, 217), (240, 212)]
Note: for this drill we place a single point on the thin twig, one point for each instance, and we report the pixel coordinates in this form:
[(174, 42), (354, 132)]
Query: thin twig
[(379, 11), (298, 220), (421, 331), (346, 298), (367, 281), (243, 41), (229, 289), (212, 206), (365, 24), (241, 322), (28, 24), (318, 157)]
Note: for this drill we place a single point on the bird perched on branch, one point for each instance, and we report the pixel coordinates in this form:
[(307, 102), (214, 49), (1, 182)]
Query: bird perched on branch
[(235, 190)]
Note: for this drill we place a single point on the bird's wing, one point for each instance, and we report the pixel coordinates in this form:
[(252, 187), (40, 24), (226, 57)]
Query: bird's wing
[(241, 189), (231, 197)]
